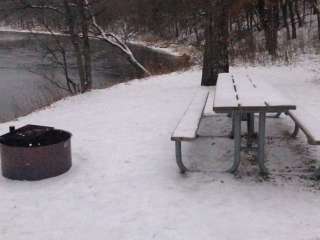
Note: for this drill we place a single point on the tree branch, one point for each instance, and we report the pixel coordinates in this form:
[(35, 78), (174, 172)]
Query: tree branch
[(114, 40)]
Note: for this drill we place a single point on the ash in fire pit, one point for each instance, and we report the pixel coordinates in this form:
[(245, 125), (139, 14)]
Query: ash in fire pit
[(35, 152)]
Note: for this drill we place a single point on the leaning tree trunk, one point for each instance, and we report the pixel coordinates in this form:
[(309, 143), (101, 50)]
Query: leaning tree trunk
[(114, 41), (216, 58)]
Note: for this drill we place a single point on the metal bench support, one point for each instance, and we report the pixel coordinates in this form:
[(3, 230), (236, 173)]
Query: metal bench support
[(296, 130), (180, 164)]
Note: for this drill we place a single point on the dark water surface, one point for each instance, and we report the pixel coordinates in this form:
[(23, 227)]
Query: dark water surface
[(23, 87)]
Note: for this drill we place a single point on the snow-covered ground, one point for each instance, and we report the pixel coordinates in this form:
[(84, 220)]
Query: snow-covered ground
[(124, 183)]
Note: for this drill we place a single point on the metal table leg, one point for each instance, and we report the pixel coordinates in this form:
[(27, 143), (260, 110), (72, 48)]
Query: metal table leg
[(261, 142), (237, 142), (232, 130), (250, 128)]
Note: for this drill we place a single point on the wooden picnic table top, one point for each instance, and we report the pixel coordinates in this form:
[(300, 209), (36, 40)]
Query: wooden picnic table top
[(239, 92)]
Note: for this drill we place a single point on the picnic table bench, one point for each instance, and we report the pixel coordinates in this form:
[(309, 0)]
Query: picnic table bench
[(187, 127), (306, 121), (240, 96)]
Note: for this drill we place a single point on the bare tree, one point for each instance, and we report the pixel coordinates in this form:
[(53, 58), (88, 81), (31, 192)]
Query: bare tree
[(57, 56), (269, 17), (80, 25)]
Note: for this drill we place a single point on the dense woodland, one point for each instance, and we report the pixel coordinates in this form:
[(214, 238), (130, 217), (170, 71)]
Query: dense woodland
[(221, 29)]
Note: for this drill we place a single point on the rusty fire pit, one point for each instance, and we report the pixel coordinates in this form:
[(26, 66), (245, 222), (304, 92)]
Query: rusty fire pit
[(35, 152)]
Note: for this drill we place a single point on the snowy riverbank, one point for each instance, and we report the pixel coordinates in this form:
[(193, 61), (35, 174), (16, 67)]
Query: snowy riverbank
[(124, 183)]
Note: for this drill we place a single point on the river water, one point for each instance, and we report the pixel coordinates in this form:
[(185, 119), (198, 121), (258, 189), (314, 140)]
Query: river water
[(23, 65)]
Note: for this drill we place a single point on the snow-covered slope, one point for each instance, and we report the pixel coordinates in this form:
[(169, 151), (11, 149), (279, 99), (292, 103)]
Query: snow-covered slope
[(124, 183)]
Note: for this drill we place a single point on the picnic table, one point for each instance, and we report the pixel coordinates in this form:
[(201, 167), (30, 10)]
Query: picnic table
[(241, 96)]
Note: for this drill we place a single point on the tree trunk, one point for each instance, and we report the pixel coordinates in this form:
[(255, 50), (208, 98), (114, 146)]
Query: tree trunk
[(284, 8), (76, 42), (293, 24), (297, 9), (216, 58), (269, 17), (317, 12), (86, 45), (318, 20)]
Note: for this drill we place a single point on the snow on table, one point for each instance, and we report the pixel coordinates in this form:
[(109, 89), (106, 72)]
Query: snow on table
[(124, 183), (241, 92)]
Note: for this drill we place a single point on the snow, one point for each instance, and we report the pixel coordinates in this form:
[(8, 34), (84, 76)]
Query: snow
[(239, 89), (124, 183)]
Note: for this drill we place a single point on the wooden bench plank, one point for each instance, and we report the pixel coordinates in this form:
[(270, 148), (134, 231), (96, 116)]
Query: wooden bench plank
[(187, 128), (308, 123), (225, 95)]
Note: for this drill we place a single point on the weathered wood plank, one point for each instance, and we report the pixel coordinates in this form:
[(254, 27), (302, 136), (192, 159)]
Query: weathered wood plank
[(225, 95), (187, 128), (249, 95)]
